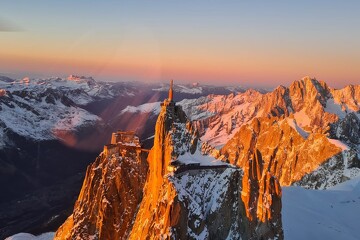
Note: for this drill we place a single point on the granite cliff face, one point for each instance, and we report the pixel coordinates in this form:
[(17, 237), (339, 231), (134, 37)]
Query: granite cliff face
[(201, 202), (187, 195), (297, 130), (313, 104), (285, 152), (109, 197)]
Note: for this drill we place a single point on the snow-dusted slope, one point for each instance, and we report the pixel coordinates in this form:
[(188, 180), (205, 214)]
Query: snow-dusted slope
[(322, 214), (41, 120), (43, 109), (27, 236)]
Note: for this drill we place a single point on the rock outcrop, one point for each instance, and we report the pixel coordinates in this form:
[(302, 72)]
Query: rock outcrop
[(200, 203), (282, 148), (313, 104), (186, 195), (110, 195), (297, 130), (261, 194)]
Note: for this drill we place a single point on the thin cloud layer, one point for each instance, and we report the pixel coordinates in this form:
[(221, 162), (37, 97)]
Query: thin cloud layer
[(8, 26)]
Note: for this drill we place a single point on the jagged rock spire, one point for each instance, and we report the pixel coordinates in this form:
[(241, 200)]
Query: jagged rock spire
[(171, 90)]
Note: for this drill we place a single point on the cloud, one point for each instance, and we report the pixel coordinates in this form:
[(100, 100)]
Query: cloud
[(7, 26)]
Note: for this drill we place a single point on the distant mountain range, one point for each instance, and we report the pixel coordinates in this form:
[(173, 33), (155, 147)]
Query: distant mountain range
[(305, 135)]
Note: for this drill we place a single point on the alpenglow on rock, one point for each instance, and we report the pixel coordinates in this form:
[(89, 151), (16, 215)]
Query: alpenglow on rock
[(307, 134), (186, 195)]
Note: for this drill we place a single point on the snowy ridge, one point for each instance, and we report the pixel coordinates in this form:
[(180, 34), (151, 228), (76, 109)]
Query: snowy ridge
[(44, 109), (81, 90), (198, 89), (153, 107), (41, 120)]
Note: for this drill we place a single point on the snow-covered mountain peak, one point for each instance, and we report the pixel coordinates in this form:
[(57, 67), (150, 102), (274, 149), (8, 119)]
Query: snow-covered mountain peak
[(312, 103), (80, 79)]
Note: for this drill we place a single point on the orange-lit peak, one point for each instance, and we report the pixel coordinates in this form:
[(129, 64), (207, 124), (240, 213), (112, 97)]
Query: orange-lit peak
[(171, 90)]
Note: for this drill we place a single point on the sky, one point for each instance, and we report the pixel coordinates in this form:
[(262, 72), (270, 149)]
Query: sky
[(247, 43)]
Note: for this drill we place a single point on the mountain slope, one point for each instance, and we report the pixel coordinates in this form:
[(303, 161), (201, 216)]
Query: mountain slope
[(51, 128), (311, 103), (186, 194), (297, 130), (285, 152)]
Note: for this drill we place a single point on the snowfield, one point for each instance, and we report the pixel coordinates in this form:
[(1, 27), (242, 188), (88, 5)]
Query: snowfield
[(330, 214)]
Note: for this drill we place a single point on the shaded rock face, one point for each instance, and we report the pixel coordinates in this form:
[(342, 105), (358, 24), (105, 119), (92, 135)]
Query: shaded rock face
[(347, 129), (213, 203), (109, 198), (339, 168)]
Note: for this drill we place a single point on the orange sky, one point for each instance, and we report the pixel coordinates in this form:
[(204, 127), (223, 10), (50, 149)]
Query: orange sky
[(199, 46)]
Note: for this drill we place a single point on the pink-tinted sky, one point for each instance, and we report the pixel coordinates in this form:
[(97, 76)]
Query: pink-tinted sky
[(259, 43)]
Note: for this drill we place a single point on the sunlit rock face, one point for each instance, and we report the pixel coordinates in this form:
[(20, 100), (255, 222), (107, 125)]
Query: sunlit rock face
[(282, 149), (261, 194), (199, 203), (304, 132), (312, 103), (199, 198), (109, 197)]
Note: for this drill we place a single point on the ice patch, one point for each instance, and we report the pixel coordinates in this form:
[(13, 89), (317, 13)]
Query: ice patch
[(298, 129)]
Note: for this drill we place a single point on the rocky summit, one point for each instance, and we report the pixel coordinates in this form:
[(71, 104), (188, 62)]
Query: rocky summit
[(179, 192), (310, 140)]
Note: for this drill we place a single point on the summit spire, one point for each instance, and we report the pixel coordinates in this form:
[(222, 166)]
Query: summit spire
[(169, 102), (171, 90)]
